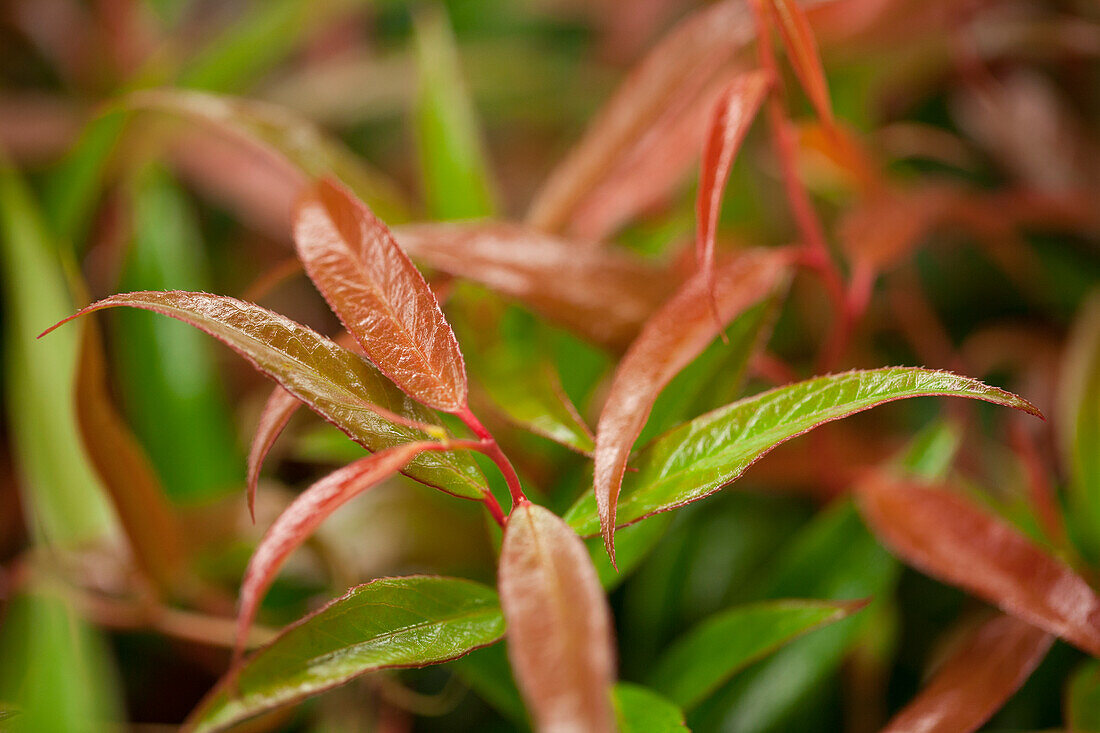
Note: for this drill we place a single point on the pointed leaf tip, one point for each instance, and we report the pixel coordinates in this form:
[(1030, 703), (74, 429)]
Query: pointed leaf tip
[(379, 295)]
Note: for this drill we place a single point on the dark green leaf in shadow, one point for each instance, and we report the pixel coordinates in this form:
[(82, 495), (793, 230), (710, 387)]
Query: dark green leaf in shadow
[(1083, 698), (1078, 423)]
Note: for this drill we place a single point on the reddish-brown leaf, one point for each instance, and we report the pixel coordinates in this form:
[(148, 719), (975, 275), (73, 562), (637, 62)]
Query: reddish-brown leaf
[(734, 112), (138, 497), (602, 296), (278, 409), (379, 295), (798, 39), (672, 338), (946, 536), (976, 680), (559, 625), (304, 515), (689, 56)]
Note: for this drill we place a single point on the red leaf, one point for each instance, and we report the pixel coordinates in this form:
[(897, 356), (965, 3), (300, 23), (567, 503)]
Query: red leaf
[(672, 338), (603, 296), (734, 112), (798, 38), (976, 680), (379, 295), (948, 537), (559, 625), (304, 514), (689, 56), (276, 414)]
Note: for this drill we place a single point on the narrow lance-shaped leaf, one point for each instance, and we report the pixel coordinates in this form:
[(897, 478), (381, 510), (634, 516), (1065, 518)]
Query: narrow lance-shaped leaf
[(1079, 420), (559, 624), (602, 296), (641, 710), (138, 497), (703, 659), (279, 408), (734, 112), (701, 456), (304, 515), (672, 338), (379, 295), (976, 680), (798, 39), (944, 535), (390, 622), (335, 383)]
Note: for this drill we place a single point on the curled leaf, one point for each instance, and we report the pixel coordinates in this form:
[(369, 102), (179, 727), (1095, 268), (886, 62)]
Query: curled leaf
[(976, 680), (278, 409), (602, 296), (379, 295), (304, 514), (703, 455), (335, 383), (559, 624), (733, 114), (672, 338), (946, 536)]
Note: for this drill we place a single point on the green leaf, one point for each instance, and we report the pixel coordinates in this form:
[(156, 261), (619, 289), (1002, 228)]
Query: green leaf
[(1079, 422), (633, 543), (456, 178), (489, 674), (1083, 698), (701, 456), (282, 133), (641, 710), (391, 622), (55, 670), (724, 644), (63, 498), (333, 382), (172, 393)]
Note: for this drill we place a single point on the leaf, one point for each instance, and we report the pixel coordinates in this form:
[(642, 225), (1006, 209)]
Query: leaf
[(336, 384), (683, 63), (734, 112), (279, 132), (1078, 420), (604, 297), (946, 536), (390, 622), (136, 492), (700, 457), (559, 624), (380, 296), (798, 38), (278, 409), (976, 680), (632, 545), (457, 183), (169, 384), (63, 500), (671, 339), (487, 673), (640, 710), (1083, 698), (699, 662), (305, 514)]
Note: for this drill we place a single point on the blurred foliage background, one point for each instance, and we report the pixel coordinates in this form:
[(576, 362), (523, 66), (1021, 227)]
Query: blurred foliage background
[(122, 552)]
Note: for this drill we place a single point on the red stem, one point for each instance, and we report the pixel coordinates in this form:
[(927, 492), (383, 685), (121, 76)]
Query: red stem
[(487, 498), (488, 445)]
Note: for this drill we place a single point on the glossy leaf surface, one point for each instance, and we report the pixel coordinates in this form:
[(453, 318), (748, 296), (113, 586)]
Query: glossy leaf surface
[(304, 515), (722, 645), (379, 295), (946, 536), (734, 112), (671, 339), (976, 680), (279, 408), (338, 385), (641, 710), (559, 625), (701, 456), (391, 622), (798, 39), (602, 296)]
